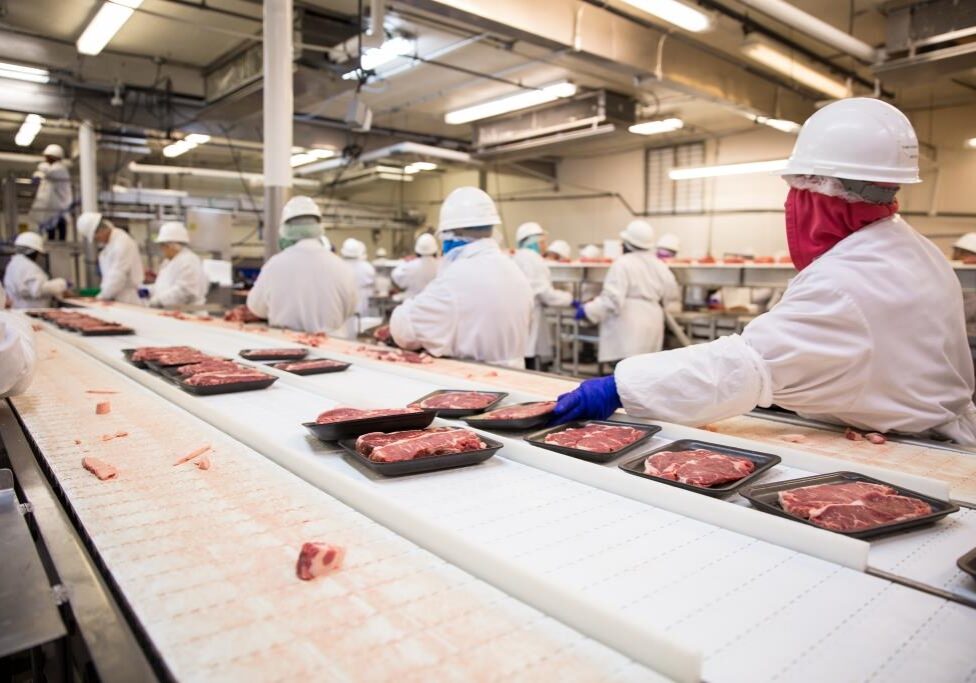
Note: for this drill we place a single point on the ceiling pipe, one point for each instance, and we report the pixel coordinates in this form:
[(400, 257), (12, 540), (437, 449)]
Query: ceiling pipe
[(817, 29)]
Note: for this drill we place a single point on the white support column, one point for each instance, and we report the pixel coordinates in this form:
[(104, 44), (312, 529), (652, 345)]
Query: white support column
[(278, 113), (88, 179)]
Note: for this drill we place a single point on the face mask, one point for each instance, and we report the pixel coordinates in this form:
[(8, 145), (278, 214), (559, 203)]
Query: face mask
[(284, 243), (665, 253), (452, 244)]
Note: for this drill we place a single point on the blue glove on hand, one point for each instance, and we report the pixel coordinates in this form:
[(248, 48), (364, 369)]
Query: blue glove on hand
[(580, 311), (143, 292), (594, 399)]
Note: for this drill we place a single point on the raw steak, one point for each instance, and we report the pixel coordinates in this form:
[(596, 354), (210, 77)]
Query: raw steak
[(277, 353), (99, 468), (220, 377), (318, 559), (346, 414), (458, 400), (394, 355), (870, 510), (417, 443), (103, 407), (596, 438), (241, 314), (208, 366), (700, 467), (803, 501), (183, 357), (519, 412), (316, 364), (144, 353)]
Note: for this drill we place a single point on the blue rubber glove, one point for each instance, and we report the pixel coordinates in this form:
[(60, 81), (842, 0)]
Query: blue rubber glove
[(143, 292), (580, 311), (594, 399)]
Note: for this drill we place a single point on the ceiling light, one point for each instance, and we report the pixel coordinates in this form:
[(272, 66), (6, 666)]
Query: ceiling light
[(308, 156), (375, 57), (111, 17), (971, 143), (421, 166), (727, 169), (523, 100), (778, 60), (185, 145), (784, 125), (674, 12), (656, 127), (256, 178), (29, 130), (24, 73)]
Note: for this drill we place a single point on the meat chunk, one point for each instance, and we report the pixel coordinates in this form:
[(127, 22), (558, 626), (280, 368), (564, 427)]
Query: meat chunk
[(596, 438), (300, 365), (417, 443), (318, 559), (347, 414), (803, 501), (274, 353), (876, 438), (192, 454), (103, 408), (700, 467), (150, 353), (221, 377), (519, 412), (242, 314), (99, 468), (209, 366), (393, 355), (870, 510), (853, 435), (458, 400), (203, 462)]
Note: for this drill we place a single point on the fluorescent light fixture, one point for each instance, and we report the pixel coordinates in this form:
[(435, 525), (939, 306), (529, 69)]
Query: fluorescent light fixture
[(303, 157), (29, 130), (656, 127), (192, 171), (185, 145), (776, 59), (111, 17), (971, 143), (784, 125), (674, 12), (727, 169), (375, 57), (418, 166), (522, 100), (24, 73)]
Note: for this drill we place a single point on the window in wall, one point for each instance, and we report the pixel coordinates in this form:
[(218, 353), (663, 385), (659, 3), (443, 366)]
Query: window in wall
[(664, 195)]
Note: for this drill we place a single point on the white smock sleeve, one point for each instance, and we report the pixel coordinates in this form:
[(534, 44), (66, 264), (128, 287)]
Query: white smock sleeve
[(257, 298), (611, 299), (17, 354), (427, 321)]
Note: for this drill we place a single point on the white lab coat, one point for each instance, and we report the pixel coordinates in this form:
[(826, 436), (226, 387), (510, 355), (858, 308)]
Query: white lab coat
[(413, 275), (535, 268), (18, 356), (181, 281), (871, 335), (53, 192), (121, 268), (28, 286), (478, 307), (630, 306), (365, 276), (306, 288)]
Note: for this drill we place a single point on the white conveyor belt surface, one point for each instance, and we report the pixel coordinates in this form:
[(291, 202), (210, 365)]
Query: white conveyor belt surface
[(756, 610)]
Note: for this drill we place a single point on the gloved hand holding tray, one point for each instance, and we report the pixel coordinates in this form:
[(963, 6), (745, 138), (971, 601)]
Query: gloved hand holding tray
[(415, 451), (348, 423), (594, 440), (517, 416), (459, 402)]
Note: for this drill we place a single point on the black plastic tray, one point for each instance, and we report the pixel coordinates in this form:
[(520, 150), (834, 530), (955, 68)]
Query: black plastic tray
[(173, 371), (107, 333), (460, 412), (350, 429), (313, 371), (138, 363), (297, 354), (226, 388), (485, 422), (764, 462), (967, 563), (765, 497), (431, 464), (538, 439)]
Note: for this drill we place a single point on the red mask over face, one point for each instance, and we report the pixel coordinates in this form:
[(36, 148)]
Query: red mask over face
[(816, 222)]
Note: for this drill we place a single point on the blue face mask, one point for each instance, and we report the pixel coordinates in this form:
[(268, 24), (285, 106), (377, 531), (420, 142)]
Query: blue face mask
[(451, 244)]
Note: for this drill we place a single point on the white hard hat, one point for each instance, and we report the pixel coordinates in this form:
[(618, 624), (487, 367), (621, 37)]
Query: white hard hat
[(172, 231), (353, 248), (54, 151), (857, 139), (528, 230), (300, 206), (426, 245), (967, 242), (638, 234), (590, 251), (670, 242), (467, 207), (31, 240), (87, 224), (561, 248)]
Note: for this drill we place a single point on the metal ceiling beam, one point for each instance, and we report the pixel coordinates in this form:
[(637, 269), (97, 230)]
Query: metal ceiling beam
[(594, 32)]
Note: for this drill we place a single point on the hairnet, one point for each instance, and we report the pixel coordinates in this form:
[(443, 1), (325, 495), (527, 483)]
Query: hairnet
[(300, 228), (849, 191)]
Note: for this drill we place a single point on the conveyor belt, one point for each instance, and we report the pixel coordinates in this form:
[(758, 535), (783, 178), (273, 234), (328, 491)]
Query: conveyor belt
[(205, 559), (756, 610)]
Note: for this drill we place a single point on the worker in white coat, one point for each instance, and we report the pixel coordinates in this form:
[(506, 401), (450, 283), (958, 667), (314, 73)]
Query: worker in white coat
[(413, 274), (54, 196), (964, 248), (558, 251), (18, 355), (305, 286), (181, 280), (629, 309), (353, 252), (480, 304), (870, 334), (26, 283), (118, 258), (531, 241)]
